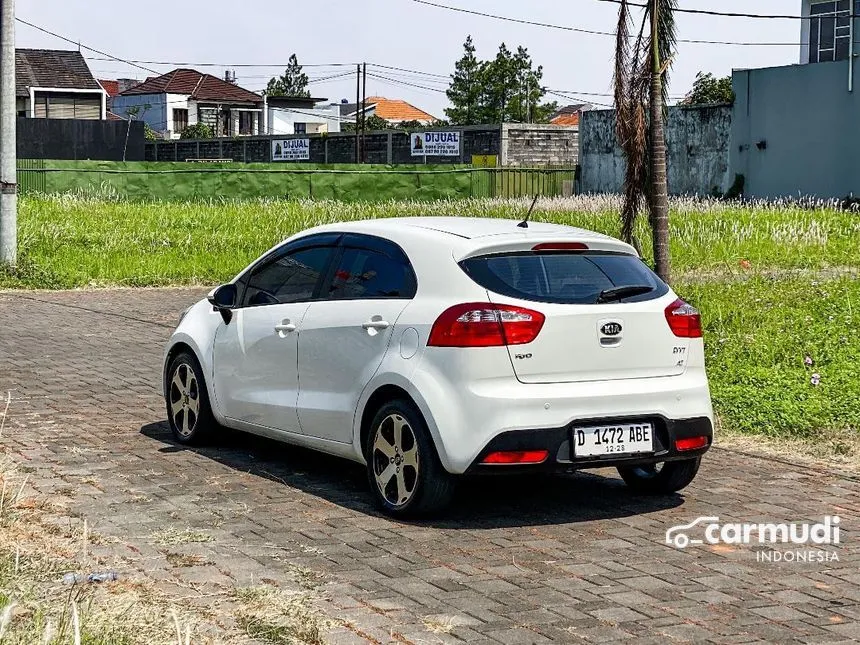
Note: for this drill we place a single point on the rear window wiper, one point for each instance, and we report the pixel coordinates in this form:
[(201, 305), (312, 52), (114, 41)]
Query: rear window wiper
[(617, 293)]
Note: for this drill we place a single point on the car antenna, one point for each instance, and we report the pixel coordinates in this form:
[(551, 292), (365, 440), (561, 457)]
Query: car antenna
[(525, 222)]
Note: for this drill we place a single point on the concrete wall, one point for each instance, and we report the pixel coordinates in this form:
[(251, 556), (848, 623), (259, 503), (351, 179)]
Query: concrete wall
[(795, 131), (317, 120), (697, 142), (530, 145)]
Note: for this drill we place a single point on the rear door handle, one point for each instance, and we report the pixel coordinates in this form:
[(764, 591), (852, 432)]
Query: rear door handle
[(285, 328), (376, 324)]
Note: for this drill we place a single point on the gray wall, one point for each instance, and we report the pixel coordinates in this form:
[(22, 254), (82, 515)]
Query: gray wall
[(530, 145), (697, 142), (796, 131)]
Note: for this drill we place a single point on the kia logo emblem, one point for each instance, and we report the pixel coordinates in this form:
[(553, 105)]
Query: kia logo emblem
[(611, 329)]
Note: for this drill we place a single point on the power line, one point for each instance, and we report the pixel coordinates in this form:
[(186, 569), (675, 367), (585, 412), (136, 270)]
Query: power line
[(169, 63), (413, 71), (393, 80), (725, 14), (82, 46), (547, 25)]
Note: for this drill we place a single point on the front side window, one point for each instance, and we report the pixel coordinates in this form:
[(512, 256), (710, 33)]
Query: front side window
[(367, 274), (564, 278), (830, 30), (293, 277)]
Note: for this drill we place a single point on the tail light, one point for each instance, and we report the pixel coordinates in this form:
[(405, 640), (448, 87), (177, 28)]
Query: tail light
[(483, 324), (691, 443), (516, 457), (684, 320), (561, 246)]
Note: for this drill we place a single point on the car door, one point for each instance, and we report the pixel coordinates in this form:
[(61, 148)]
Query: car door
[(256, 355), (345, 336)]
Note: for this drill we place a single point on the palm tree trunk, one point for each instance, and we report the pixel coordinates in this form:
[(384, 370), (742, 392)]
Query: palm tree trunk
[(659, 184)]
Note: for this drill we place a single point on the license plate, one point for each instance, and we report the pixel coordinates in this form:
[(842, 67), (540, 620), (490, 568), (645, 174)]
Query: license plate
[(620, 439)]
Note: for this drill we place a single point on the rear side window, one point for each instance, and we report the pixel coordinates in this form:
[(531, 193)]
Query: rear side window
[(563, 278), (368, 274)]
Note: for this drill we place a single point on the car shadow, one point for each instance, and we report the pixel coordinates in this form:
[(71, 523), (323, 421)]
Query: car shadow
[(480, 502)]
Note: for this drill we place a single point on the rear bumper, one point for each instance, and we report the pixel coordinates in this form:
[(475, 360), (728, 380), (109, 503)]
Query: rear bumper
[(557, 442), (466, 417)]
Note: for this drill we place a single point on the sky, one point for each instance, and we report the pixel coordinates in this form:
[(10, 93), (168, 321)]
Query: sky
[(396, 33)]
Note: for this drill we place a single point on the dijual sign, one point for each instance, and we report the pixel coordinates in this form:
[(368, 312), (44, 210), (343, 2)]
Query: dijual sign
[(291, 150), (435, 144)]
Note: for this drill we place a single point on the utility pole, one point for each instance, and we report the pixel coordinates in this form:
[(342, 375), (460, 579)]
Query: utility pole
[(363, 114), (657, 141), (8, 153), (358, 108)]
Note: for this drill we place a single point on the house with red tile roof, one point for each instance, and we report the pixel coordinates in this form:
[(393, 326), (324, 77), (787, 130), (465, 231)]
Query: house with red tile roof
[(569, 115), (184, 97), (392, 110)]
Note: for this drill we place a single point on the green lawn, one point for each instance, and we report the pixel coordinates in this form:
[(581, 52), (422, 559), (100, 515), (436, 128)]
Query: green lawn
[(775, 284)]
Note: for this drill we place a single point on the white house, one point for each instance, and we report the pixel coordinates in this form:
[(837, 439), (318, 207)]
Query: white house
[(183, 97), (825, 31), (300, 115)]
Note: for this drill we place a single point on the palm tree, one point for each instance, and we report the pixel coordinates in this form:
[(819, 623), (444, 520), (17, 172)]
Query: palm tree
[(641, 89)]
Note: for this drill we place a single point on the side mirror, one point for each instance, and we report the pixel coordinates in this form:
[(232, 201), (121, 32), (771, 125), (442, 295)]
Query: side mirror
[(224, 300)]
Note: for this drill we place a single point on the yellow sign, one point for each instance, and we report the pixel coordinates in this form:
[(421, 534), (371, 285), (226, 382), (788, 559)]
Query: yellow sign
[(485, 161)]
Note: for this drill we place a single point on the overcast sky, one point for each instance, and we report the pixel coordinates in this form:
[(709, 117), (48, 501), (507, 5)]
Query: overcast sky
[(398, 33)]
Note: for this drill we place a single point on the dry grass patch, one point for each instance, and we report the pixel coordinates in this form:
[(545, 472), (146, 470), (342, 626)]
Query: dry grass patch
[(271, 615), (40, 542)]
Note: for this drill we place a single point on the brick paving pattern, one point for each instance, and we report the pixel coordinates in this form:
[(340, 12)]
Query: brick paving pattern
[(571, 558)]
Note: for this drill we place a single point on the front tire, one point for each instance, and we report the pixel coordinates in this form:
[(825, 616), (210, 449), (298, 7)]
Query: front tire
[(405, 474), (660, 479), (188, 410)]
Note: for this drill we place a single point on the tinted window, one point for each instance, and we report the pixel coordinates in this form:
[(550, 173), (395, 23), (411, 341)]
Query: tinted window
[(291, 278), (362, 273), (566, 278)]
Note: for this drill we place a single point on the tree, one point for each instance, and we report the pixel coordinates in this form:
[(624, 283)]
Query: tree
[(641, 90), (465, 89), (505, 89), (197, 131), (293, 82), (707, 90)]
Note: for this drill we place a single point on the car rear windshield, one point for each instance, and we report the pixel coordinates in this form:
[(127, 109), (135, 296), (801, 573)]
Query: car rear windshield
[(566, 278)]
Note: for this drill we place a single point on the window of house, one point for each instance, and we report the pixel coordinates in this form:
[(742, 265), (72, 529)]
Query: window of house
[(180, 119), (246, 123), (830, 30), (300, 128)]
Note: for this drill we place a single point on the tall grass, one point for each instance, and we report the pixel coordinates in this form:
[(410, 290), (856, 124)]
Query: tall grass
[(73, 241)]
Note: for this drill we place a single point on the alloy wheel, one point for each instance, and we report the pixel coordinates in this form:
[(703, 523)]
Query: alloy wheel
[(395, 460), (184, 399)]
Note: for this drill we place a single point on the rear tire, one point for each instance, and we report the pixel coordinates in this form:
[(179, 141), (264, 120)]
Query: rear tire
[(405, 475), (187, 399), (660, 479)]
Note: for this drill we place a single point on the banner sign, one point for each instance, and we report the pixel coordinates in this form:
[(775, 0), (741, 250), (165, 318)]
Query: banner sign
[(291, 150), (435, 144)]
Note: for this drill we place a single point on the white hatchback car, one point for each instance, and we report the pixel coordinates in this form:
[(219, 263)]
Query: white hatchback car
[(428, 348)]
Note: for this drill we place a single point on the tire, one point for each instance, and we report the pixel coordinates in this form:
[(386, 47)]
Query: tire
[(187, 400), (405, 475), (660, 479)]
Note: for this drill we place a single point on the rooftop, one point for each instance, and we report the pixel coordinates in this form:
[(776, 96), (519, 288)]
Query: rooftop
[(54, 68), (199, 86)]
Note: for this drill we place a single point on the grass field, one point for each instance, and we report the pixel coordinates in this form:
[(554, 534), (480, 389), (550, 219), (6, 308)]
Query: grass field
[(776, 284)]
